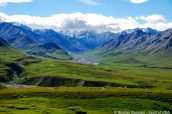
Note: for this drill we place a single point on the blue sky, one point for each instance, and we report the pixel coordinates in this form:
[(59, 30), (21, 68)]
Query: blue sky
[(116, 8)]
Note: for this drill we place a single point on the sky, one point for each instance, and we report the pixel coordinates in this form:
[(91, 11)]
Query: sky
[(98, 15)]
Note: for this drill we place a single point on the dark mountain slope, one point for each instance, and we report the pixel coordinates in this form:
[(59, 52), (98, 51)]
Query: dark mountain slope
[(49, 50), (3, 42), (49, 46)]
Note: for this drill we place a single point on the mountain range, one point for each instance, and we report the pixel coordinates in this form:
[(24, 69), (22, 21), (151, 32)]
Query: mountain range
[(21, 36), (59, 45)]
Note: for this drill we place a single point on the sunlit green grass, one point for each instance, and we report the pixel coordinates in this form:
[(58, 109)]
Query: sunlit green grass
[(10, 55), (158, 78), (92, 100)]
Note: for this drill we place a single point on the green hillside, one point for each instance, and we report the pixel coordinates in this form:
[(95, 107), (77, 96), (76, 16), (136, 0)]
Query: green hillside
[(10, 58)]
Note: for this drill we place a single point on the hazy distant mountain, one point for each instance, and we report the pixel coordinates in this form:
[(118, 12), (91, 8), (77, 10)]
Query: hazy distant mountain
[(91, 39)]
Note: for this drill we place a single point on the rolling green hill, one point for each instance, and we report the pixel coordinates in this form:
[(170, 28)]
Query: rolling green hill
[(11, 61)]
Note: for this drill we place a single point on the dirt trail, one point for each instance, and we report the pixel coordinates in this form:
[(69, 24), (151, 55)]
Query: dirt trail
[(41, 79), (17, 85)]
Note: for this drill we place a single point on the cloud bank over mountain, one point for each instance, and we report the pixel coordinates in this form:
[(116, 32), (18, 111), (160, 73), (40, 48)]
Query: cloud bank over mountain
[(85, 21)]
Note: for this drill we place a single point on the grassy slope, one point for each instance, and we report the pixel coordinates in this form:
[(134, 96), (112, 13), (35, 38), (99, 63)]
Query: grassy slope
[(92, 100), (7, 55), (118, 74), (131, 58), (159, 59), (10, 55)]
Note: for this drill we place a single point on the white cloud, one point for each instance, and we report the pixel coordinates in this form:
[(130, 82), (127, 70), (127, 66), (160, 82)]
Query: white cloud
[(5, 2), (90, 2), (80, 21), (154, 19), (138, 1)]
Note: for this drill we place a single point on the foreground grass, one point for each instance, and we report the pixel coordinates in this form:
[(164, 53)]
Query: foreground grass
[(92, 100)]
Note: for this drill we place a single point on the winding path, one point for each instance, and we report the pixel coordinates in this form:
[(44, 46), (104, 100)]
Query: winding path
[(17, 85)]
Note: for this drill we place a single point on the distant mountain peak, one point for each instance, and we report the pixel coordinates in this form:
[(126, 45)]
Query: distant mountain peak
[(145, 30)]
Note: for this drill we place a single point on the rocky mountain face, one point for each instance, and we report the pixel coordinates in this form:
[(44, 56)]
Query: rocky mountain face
[(148, 41)]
